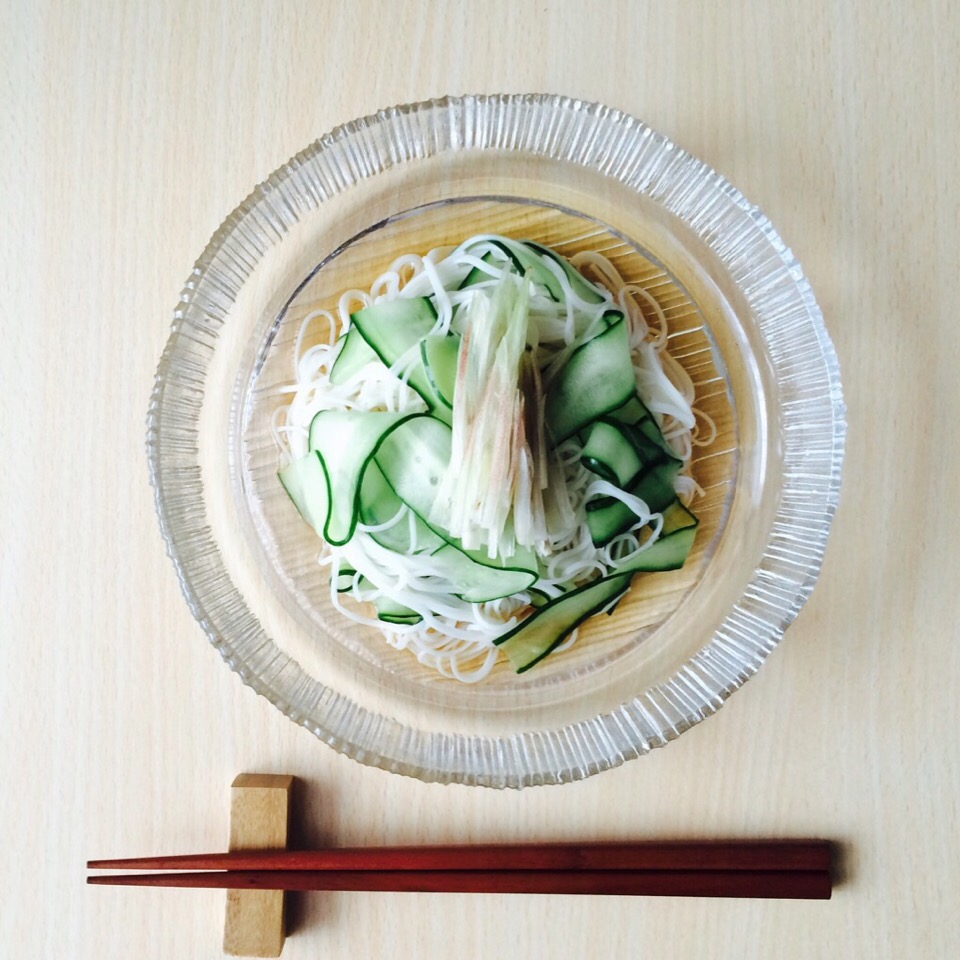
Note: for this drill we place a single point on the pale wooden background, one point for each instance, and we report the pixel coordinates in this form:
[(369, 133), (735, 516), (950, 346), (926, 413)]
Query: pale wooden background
[(129, 131)]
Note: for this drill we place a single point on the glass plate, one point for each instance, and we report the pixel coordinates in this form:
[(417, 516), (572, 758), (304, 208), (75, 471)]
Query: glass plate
[(743, 322)]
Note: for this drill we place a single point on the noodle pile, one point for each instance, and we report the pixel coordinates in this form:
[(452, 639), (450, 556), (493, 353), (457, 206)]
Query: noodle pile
[(455, 637)]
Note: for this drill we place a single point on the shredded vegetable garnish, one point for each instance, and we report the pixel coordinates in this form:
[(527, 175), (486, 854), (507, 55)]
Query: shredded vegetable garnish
[(493, 517)]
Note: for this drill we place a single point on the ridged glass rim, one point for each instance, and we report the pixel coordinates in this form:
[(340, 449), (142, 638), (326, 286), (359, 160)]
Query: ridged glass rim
[(618, 146)]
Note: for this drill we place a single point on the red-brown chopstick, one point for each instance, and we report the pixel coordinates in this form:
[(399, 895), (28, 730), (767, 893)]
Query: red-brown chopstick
[(766, 884), (749, 855), (791, 869)]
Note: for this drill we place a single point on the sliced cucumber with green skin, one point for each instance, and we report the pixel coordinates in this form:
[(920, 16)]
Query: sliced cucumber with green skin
[(345, 579), (632, 412), (547, 627), (379, 504), (610, 608), (439, 356), (670, 552), (473, 576), (473, 581), (392, 612), (580, 285), (345, 440), (354, 354), (648, 442), (635, 414), (538, 598), (611, 453), (627, 448), (524, 260), (400, 620), (391, 329), (479, 582), (527, 255), (677, 517), (607, 517), (476, 275), (597, 379), (649, 429), (413, 460), (655, 486), (306, 485)]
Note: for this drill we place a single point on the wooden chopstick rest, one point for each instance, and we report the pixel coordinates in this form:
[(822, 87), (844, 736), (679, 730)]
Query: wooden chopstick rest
[(254, 924)]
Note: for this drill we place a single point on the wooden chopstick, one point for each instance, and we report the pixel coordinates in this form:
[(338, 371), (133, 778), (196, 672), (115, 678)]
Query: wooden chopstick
[(774, 869), (766, 884), (750, 855)]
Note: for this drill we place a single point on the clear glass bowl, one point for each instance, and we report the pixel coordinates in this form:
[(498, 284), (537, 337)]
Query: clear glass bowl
[(743, 322)]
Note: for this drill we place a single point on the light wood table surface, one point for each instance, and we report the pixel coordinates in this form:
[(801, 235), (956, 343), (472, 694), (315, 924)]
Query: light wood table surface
[(128, 130)]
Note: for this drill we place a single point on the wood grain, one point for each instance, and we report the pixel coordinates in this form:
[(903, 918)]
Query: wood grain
[(130, 130)]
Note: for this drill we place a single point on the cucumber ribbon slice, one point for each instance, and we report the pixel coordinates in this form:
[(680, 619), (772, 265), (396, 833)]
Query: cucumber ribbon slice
[(549, 625), (366, 467)]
